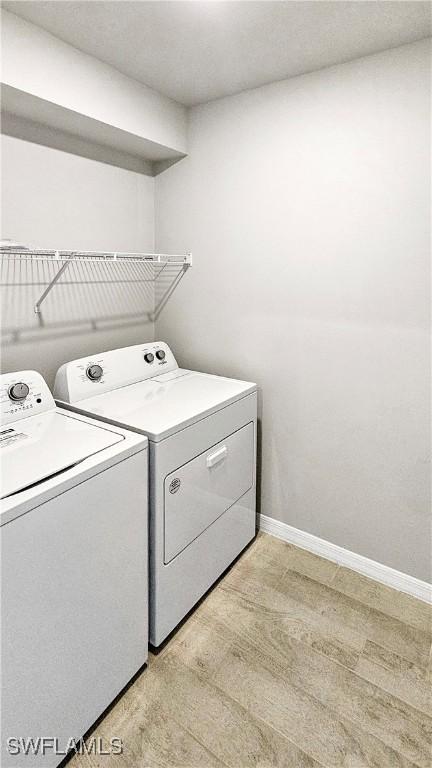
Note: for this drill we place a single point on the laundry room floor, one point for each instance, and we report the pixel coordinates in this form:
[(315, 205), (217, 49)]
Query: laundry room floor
[(289, 661)]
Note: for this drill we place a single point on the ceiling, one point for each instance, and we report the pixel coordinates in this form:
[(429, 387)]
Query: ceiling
[(197, 51)]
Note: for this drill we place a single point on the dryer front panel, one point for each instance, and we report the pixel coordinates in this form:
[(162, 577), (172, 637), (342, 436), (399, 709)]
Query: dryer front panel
[(199, 492)]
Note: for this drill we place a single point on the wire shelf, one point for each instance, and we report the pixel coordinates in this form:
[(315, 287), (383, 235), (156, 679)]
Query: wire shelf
[(41, 288)]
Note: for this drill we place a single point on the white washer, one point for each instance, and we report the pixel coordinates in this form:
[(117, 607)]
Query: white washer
[(74, 521), (202, 433)]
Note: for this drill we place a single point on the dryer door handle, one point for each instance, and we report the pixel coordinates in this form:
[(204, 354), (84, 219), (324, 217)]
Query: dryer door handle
[(217, 456)]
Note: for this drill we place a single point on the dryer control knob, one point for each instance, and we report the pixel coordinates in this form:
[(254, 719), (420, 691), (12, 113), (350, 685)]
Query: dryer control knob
[(148, 357), (94, 372), (18, 391), (160, 354)]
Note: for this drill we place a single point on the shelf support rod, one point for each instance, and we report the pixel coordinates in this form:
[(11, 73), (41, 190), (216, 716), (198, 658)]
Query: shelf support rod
[(63, 268), (160, 305)]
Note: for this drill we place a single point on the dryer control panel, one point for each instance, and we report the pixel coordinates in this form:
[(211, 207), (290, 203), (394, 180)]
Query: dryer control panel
[(23, 394), (106, 371)]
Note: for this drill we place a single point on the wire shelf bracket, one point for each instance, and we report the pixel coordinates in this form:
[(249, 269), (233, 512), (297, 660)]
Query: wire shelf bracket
[(63, 268)]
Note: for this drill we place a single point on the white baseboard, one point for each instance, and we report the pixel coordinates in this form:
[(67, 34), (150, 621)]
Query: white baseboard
[(376, 571)]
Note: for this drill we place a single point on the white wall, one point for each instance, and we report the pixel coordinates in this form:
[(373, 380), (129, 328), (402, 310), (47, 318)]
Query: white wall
[(306, 205), (57, 200)]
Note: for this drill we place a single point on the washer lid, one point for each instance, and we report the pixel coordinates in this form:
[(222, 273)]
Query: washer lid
[(38, 447), (161, 406)]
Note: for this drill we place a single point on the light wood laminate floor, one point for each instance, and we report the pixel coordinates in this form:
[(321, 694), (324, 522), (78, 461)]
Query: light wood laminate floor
[(289, 661)]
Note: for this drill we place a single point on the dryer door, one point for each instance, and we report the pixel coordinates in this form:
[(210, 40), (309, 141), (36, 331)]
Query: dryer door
[(200, 491)]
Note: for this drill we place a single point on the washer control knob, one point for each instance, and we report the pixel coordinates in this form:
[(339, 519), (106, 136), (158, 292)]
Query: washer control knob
[(18, 391), (148, 357), (94, 372), (160, 354)]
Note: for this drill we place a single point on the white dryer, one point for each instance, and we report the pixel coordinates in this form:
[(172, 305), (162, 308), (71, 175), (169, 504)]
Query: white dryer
[(74, 519), (202, 433)]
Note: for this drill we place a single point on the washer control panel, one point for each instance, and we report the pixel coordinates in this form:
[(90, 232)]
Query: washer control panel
[(23, 394), (106, 371)]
